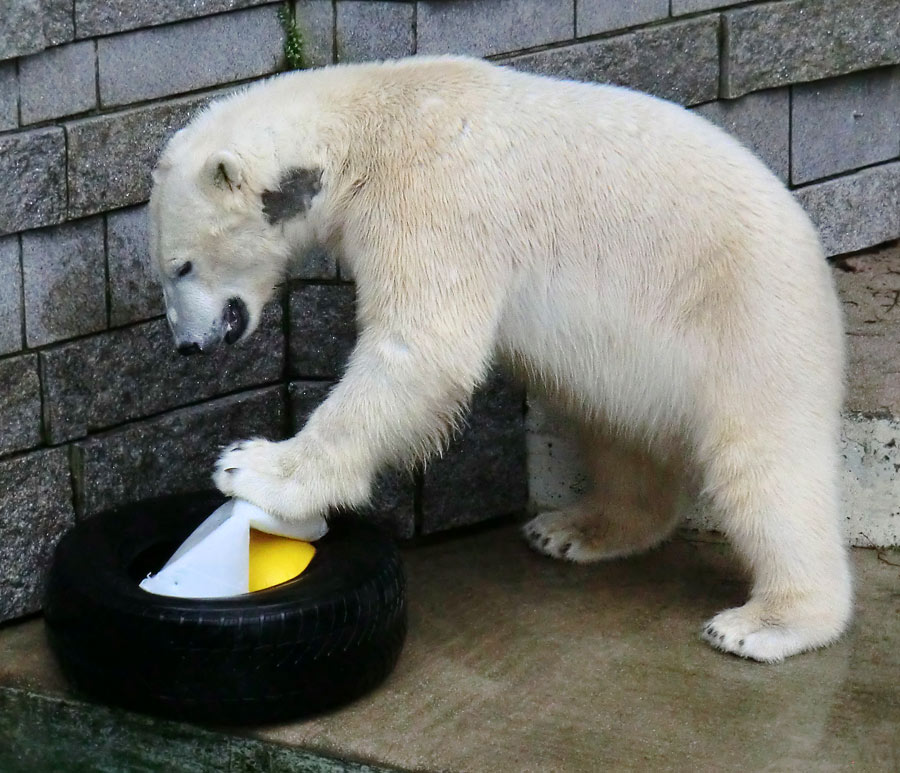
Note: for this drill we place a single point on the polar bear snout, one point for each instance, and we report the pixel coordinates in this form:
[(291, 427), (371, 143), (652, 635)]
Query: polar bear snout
[(230, 325)]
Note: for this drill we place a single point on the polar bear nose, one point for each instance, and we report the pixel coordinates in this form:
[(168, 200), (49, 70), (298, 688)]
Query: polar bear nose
[(190, 348), (235, 317)]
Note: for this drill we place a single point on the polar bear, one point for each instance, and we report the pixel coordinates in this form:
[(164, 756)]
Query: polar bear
[(637, 265)]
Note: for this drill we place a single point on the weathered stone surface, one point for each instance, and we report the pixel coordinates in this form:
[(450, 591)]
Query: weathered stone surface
[(20, 404), (491, 26), (594, 16), (124, 374), (869, 286), (856, 211), (9, 96), (761, 121), (33, 170), (677, 61), (33, 25), (870, 485), (35, 511), (323, 329), (483, 474), (374, 30), (101, 17), (173, 453), (63, 271), (10, 296), (111, 156), (315, 19), (317, 263), (134, 291), (774, 44), (192, 55), (393, 503), (844, 124), (305, 397), (680, 7), (22, 31), (58, 82), (393, 499)]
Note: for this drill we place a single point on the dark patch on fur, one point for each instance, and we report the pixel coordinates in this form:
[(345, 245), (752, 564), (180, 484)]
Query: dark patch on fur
[(296, 190)]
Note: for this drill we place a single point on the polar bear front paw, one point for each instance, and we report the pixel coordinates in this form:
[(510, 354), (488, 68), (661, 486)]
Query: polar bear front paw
[(258, 455), (260, 472), (292, 479)]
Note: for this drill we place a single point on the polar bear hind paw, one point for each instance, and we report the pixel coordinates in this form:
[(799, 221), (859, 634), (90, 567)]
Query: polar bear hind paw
[(749, 632), (584, 536)]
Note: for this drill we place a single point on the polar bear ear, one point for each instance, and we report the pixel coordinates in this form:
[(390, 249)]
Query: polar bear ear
[(224, 170), (295, 193)]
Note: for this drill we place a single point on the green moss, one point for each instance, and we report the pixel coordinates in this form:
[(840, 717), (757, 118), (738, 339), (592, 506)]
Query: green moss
[(294, 55)]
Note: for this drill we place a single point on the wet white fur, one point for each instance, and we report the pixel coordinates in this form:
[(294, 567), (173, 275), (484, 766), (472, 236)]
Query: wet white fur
[(637, 264)]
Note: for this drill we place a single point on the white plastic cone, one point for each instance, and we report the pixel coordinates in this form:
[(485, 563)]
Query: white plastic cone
[(213, 561)]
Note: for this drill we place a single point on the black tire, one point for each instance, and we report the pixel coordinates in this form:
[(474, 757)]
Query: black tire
[(299, 648)]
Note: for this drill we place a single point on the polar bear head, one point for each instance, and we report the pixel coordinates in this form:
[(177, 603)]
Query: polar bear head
[(225, 219)]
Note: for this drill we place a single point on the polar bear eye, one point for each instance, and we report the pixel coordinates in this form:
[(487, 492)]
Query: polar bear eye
[(184, 270)]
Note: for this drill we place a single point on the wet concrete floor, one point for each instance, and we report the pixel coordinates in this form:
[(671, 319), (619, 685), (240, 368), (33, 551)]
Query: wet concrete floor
[(515, 662)]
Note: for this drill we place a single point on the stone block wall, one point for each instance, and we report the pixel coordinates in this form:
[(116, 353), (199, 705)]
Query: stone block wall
[(96, 409)]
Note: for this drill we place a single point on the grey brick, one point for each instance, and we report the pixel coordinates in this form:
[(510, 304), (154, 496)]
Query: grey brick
[(692, 6), (317, 263), (323, 330), (9, 96), (58, 82), (393, 498), (173, 453), (305, 397), (677, 61), (774, 44), (111, 156), (374, 30), (393, 503), (10, 296), (483, 473), (102, 17), (869, 287), (134, 291), (35, 511), (20, 403), (491, 26), (604, 15), (33, 25), (182, 57), (315, 18), (33, 170), (856, 211), (844, 124), (58, 23), (63, 271), (129, 373), (761, 121)]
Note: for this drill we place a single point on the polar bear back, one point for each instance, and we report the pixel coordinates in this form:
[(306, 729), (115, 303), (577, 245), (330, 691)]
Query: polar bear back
[(623, 225)]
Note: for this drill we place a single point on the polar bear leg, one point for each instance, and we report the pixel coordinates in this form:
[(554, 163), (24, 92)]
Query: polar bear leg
[(630, 509), (776, 494)]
